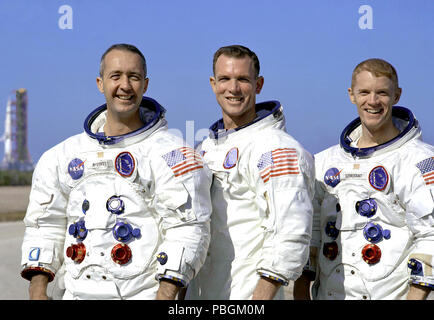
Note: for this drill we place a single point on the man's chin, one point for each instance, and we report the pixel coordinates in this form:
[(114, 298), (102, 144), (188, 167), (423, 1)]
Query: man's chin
[(125, 109)]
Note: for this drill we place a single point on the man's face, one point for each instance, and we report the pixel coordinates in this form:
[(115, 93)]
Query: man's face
[(235, 85), (374, 98), (123, 82)]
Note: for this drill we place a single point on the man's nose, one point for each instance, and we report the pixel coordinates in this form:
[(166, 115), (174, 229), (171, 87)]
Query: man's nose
[(234, 86), (125, 83), (373, 98)]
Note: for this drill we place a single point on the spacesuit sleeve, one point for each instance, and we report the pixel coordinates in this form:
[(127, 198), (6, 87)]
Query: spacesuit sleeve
[(288, 190), (182, 200), (312, 264), (45, 221), (420, 219), (317, 201)]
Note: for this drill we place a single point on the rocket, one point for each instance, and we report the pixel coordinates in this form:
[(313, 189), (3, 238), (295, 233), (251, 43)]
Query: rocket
[(8, 133)]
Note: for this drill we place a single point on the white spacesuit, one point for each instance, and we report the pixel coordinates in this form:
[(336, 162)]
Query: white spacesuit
[(262, 207), (373, 220), (109, 208)]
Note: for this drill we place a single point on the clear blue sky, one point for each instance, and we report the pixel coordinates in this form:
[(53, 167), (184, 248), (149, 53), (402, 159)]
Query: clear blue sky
[(307, 51)]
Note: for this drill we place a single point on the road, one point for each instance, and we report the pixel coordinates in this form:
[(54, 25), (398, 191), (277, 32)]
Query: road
[(13, 287)]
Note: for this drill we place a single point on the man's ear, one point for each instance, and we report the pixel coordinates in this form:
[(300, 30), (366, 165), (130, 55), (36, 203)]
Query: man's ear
[(259, 84), (397, 95), (351, 95), (212, 82), (146, 85), (99, 84)]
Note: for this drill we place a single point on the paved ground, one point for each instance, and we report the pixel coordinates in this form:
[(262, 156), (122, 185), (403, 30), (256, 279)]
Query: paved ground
[(13, 202), (13, 286), (14, 198)]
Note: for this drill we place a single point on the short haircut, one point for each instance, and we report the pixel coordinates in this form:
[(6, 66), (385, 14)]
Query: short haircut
[(124, 47), (237, 51), (378, 67)]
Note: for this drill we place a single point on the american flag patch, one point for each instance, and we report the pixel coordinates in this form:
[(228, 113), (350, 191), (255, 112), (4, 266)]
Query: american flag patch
[(277, 163), (426, 167), (183, 160)]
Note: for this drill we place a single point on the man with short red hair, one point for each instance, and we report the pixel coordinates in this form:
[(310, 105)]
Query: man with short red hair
[(373, 233)]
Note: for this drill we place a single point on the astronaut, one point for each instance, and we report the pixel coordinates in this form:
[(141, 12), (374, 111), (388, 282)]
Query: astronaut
[(373, 220), (261, 193), (124, 207)]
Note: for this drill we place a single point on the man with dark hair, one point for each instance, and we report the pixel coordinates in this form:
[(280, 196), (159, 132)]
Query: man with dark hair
[(123, 207), (237, 51), (261, 193), (373, 234)]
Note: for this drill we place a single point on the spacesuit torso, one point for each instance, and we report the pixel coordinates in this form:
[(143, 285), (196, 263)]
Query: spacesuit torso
[(261, 196), (374, 212), (119, 212)]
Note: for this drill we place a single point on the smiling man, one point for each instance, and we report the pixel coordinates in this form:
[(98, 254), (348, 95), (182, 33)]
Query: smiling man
[(261, 192), (373, 235), (124, 207), (123, 82), (374, 95), (235, 84)]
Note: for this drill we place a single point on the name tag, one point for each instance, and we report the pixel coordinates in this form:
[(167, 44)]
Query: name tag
[(354, 175), (102, 165)]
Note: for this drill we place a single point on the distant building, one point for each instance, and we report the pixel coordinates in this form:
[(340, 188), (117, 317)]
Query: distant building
[(16, 151)]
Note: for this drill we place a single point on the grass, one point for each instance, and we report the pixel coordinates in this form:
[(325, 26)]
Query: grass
[(15, 178), (13, 216)]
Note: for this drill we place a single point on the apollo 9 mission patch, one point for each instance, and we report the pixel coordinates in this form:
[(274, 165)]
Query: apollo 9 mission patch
[(378, 178), (125, 164)]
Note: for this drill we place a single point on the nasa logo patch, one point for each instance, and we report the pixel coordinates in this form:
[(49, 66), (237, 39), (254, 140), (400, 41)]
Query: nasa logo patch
[(378, 178), (332, 177), (76, 168), (231, 158), (125, 164)]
